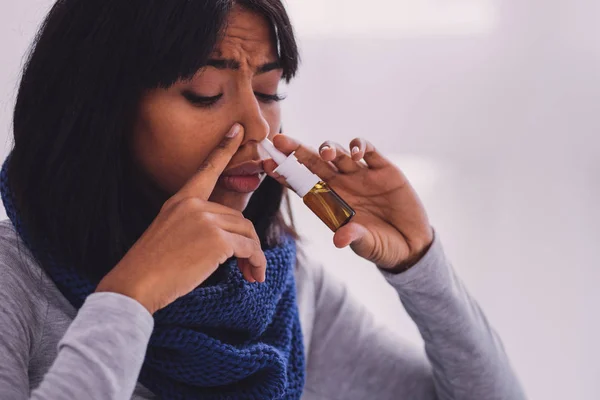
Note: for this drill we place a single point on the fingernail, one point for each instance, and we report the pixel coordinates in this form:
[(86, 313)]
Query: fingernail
[(325, 148), (355, 150), (235, 130)]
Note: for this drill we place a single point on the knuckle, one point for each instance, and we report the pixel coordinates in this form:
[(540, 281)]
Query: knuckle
[(223, 144), (207, 165), (221, 238), (191, 204), (238, 214), (370, 147), (249, 226), (256, 247), (312, 160), (252, 232), (167, 205), (206, 218)]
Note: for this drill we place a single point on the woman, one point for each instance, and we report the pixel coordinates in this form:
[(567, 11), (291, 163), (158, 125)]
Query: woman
[(146, 255)]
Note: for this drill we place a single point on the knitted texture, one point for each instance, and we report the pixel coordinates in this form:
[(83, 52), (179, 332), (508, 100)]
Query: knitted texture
[(225, 340)]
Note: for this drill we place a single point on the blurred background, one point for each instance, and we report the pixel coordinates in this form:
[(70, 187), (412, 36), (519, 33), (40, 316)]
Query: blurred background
[(492, 108)]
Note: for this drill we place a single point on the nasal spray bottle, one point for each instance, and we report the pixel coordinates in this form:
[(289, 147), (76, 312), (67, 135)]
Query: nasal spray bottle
[(317, 195)]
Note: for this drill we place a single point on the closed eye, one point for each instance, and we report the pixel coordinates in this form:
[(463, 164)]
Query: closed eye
[(209, 101), (201, 101), (269, 98)]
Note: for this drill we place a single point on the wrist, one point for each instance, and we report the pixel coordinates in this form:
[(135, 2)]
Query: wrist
[(404, 265), (136, 293), (412, 260)]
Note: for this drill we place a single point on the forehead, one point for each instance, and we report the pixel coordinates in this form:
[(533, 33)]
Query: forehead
[(248, 38)]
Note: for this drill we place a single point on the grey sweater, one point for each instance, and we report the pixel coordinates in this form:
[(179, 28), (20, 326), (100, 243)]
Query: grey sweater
[(50, 351)]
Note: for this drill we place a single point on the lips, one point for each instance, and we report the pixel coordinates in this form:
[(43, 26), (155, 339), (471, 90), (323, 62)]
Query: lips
[(244, 178), (245, 169)]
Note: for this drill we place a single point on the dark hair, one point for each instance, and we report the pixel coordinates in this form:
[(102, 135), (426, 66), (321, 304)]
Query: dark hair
[(71, 171)]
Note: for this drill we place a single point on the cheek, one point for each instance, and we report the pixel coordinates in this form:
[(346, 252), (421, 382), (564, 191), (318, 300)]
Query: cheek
[(170, 141), (272, 114)]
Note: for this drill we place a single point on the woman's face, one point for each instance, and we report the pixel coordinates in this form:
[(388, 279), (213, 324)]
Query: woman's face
[(178, 127)]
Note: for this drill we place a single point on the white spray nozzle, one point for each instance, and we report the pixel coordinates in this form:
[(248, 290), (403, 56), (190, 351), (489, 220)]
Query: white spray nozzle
[(297, 175), (275, 154)]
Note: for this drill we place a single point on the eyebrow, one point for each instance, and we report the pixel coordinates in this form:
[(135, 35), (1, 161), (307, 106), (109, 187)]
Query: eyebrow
[(235, 65)]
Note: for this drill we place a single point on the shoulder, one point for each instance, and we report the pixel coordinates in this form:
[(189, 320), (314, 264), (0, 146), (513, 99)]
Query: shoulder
[(22, 303), (18, 268)]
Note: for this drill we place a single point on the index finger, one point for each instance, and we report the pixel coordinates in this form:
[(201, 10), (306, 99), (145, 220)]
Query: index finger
[(203, 182), (307, 156)]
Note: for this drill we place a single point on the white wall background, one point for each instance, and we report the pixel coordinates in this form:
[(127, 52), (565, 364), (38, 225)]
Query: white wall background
[(492, 108)]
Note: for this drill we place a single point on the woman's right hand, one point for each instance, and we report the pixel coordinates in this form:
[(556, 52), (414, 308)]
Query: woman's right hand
[(188, 240)]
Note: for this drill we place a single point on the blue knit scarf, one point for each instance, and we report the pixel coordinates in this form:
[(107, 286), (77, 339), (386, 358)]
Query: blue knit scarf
[(228, 340)]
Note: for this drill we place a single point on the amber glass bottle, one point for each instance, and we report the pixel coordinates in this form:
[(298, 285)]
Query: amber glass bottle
[(328, 206), (317, 195)]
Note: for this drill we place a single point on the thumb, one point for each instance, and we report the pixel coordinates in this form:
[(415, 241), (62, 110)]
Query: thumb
[(351, 233)]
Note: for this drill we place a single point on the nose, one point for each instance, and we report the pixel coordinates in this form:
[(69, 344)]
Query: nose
[(256, 127)]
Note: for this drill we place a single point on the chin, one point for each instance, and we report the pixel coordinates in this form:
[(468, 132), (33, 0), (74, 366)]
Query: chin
[(235, 200)]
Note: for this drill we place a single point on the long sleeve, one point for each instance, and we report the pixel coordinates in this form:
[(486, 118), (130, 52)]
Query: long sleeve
[(354, 357), (100, 355), (467, 357)]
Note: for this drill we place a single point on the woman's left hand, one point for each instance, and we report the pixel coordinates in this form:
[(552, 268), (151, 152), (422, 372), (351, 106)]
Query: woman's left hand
[(391, 227)]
